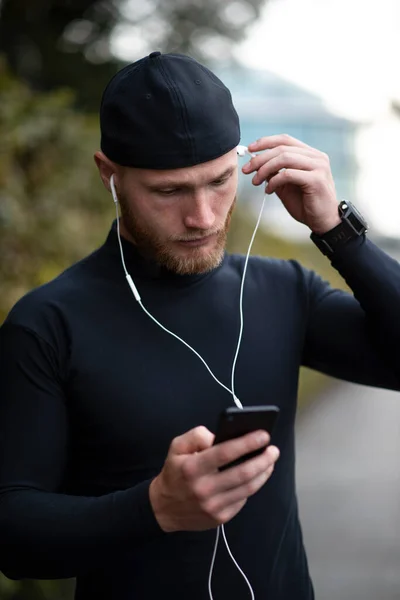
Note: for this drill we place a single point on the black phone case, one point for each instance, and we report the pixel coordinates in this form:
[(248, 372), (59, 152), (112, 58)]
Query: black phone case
[(235, 422)]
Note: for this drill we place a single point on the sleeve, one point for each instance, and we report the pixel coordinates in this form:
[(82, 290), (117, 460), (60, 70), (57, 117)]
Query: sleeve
[(45, 533), (357, 337)]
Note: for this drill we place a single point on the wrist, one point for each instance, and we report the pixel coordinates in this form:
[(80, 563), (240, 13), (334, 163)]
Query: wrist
[(351, 225), (327, 225), (158, 505)]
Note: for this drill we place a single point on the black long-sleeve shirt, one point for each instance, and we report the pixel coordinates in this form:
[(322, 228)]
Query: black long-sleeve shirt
[(93, 392)]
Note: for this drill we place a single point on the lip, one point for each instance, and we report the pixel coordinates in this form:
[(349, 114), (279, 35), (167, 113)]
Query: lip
[(199, 242)]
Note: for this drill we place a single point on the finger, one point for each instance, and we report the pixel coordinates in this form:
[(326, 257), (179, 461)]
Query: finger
[(229, 512), (194, 440), (221, 454), (255, 163), (226, 501), (275, 140), (294, 176), (245, 472), (284, 161)]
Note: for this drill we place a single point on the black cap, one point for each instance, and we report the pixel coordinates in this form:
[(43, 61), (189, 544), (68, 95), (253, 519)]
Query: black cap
[(167, 111)]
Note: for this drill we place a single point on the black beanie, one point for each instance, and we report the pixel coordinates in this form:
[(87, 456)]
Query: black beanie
[(167, 111)]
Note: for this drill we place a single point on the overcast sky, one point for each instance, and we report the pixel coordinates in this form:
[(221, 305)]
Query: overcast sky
[(348, 52)]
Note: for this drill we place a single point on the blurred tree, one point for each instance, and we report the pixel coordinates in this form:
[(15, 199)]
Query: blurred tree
[(51, 200), (52, 43)]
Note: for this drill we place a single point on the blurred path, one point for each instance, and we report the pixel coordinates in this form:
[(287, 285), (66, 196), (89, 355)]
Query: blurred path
[(348, 476)]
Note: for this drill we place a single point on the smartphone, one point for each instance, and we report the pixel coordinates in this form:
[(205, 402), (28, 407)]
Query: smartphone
[(234, 422)]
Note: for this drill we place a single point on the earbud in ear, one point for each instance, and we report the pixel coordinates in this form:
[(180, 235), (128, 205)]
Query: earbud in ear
[(243, 150), (113, 191)]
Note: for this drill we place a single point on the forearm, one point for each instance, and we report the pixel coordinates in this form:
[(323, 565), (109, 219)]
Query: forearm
[(374, 278), (356, 338), (48, 536)]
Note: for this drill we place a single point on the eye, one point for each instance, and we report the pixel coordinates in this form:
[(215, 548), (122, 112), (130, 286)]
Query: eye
[(220, 181), (169, 192)]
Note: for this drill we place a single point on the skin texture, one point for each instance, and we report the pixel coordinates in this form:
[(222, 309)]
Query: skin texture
[(161, 212)]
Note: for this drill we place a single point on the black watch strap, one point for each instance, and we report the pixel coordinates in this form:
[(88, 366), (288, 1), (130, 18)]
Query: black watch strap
[(352, 226)]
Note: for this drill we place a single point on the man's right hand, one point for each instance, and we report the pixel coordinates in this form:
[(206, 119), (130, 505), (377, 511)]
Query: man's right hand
[(191, 494)]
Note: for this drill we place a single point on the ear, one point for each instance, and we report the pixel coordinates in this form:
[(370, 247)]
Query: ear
[(106, 168)]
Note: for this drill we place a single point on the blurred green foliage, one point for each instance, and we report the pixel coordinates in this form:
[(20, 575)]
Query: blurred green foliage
[(51, 202), (36, 590), (53, 43)]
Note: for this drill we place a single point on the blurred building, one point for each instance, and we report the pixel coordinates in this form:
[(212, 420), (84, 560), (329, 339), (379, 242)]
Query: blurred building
[(268, 104)]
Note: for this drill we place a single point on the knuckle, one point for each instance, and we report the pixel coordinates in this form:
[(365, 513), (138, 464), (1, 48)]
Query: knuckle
[(247, 472), (251, 487), (198, 492), (224, 456), (201, 491), (323, 165), (318, 178), (189, 468), (210, 507)]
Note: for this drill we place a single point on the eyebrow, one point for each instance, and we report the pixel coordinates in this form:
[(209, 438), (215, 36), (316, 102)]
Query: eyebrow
[(172, 183)]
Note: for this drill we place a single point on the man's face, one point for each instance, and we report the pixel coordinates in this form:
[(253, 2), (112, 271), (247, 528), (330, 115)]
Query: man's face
[(180, 217)]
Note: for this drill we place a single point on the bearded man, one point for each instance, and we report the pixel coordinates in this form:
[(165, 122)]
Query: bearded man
[(108, 468)]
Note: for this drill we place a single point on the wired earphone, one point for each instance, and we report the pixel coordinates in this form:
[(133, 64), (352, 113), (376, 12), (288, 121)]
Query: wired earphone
[(241, 151)]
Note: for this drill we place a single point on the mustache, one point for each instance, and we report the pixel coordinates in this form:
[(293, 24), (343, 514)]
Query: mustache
[(193, 237)]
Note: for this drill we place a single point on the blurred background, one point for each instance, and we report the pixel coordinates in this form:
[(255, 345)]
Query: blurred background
[(325, 72)]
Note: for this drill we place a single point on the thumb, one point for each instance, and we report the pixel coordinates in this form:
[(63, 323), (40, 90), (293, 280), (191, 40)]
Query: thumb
[(194, 440)]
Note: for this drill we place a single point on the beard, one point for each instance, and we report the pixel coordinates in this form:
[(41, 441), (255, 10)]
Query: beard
[(194, 261)]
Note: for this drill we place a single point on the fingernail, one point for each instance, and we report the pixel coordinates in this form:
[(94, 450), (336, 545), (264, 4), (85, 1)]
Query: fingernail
[(246, 167), (263, 437)]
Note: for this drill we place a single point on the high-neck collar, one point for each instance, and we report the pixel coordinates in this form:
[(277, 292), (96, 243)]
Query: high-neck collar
[(140, 266)]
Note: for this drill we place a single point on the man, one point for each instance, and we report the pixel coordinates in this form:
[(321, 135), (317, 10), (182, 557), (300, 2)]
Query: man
[(108, 469)]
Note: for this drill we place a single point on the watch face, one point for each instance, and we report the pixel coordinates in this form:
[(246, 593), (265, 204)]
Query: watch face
[(350, 213)]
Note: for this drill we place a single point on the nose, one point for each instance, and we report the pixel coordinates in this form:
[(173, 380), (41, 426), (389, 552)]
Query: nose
[(199, 213)]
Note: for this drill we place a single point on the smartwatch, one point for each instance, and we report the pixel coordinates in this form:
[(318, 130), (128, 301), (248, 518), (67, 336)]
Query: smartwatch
[(353, 225)]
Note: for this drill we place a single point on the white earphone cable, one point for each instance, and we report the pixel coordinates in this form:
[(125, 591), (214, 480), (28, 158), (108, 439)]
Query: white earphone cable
[(232, 390), (145, 309), (241, 296)]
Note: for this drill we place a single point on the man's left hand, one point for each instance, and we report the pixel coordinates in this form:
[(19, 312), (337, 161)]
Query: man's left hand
[(305, 185)]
